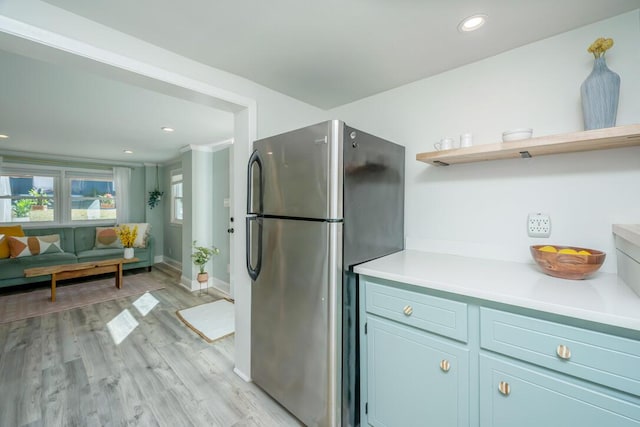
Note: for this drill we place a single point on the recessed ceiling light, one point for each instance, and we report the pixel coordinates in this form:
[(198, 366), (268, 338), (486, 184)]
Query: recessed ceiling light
[(2, 136), (127, 151), (472, 23), (167, 129)]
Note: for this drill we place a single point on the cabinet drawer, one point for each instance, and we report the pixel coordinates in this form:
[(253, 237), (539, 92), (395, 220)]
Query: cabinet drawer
[(433, 314), (516, 394), (605, 359)]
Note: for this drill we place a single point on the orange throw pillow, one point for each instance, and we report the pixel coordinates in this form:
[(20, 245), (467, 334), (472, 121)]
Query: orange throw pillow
[(12, 230)]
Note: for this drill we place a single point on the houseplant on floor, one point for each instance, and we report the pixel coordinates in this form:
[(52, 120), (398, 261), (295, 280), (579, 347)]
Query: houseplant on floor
[(201, 256)]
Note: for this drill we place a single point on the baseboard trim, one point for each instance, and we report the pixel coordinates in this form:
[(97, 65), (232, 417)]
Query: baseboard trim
[(193, 285), (245, 378), (172, 262)]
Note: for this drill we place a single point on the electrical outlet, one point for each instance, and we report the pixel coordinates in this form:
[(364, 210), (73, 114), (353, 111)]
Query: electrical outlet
[(538, 225)]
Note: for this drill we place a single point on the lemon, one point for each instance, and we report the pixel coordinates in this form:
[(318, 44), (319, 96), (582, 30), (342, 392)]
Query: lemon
[(548, 249), (568, 251), (583, 252)]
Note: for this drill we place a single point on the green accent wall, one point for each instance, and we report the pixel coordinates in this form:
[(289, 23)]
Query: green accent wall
[(172, 242), (220, 214)]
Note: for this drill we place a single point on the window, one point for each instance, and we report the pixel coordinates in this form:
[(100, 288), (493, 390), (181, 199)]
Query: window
[(176, 197), (25, 197), (62, 196), (92, 199)]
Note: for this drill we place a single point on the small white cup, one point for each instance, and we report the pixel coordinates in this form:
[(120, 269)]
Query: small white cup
[(466, 140), (444, 144)]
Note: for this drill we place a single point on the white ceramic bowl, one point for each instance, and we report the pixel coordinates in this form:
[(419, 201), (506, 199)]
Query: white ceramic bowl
[(516, 134)]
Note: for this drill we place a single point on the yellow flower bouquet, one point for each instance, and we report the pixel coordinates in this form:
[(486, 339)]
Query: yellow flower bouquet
[(127, 235)]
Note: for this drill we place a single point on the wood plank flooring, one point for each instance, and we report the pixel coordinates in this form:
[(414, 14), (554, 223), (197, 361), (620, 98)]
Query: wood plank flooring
[(64, 369)]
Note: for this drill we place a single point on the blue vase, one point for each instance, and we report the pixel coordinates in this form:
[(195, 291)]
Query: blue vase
[(600, 93)]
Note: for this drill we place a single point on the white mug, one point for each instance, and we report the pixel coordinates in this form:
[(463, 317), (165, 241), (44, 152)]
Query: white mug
[(444, 144), (466, 140)]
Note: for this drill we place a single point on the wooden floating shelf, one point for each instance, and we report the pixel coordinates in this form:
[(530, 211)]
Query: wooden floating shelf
[(597, 139)]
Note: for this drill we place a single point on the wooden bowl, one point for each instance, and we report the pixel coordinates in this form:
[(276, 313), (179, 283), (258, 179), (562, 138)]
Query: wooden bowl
[(568, 266)]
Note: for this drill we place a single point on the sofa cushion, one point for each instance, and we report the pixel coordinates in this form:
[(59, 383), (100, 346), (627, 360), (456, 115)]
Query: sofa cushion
[(84, 238), (14, 267), (34, 245), (107, 238), (12, 230), (144, 229)]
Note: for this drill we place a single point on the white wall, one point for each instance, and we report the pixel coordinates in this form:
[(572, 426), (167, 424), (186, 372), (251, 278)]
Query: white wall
[(481, 209)]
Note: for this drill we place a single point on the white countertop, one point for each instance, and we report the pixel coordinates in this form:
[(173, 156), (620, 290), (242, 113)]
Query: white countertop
[(602, 298), (630, 232)]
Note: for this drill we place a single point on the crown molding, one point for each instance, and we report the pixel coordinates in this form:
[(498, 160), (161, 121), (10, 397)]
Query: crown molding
[(55, 157)]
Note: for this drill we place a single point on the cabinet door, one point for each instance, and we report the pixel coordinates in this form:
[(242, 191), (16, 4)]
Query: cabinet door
[(517, 394), (415, 378)]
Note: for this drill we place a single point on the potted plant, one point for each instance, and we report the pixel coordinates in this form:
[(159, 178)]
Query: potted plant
[(127, 236), (106, 201), (21, 208), (201, 256), (154, 198), (41, 200)]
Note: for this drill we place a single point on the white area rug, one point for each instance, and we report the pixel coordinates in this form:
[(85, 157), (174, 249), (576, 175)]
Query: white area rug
[(211, 321)]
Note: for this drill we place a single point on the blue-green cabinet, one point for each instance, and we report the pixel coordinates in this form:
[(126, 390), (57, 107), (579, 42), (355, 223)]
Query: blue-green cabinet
[(517, 394), (414, 375), (415, 378), (555, 374), (429, 358)]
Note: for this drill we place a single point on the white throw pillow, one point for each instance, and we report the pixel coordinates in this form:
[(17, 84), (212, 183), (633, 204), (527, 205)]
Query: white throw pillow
[(34, 245)]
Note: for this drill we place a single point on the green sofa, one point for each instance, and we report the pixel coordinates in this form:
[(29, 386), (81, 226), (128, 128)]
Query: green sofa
[(78, 246)]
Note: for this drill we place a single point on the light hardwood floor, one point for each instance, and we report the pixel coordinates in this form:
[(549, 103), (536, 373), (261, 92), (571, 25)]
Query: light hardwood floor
[(63, 369)]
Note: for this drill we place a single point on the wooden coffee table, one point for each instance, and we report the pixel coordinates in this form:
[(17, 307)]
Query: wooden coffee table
[(81, 269)]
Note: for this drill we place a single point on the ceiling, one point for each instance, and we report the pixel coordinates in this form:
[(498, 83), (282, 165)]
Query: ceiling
[(52, 109), (332, 52), (324, 53)]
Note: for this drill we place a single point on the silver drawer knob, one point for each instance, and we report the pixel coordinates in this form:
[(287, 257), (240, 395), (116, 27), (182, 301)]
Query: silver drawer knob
[(445, 365), (504, 388), (563, 352), (407, 310)]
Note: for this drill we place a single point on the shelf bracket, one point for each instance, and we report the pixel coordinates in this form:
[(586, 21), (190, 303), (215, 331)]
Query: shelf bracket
[(439, 163), (525, 155)]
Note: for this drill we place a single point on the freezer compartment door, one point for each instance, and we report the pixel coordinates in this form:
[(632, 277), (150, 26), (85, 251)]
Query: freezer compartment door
[(300, 173), (374, 197), (295, 318)]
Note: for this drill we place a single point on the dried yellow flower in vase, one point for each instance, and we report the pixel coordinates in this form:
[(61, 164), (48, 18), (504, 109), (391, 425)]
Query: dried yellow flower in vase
[(600, 46)]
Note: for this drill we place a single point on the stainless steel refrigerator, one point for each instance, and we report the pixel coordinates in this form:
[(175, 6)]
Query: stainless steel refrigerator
[(320, 200)]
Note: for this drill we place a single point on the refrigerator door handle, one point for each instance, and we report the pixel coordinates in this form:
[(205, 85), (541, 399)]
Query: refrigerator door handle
[(255, 158), (254, 271)]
